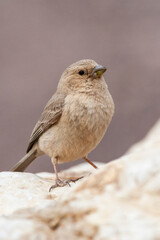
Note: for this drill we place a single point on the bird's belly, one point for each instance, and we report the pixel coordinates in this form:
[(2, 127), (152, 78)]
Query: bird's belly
[(74, 136)]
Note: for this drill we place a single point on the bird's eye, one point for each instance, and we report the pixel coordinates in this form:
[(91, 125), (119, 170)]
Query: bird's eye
[(81, 72)]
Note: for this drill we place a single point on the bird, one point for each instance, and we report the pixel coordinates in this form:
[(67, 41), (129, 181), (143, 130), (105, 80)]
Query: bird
[(74, 120)]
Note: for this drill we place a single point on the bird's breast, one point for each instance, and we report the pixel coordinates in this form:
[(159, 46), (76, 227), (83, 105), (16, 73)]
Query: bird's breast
[(87, 115)]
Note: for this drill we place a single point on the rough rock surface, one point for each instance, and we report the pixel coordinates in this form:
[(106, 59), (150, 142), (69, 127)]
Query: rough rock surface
[(120, 201)]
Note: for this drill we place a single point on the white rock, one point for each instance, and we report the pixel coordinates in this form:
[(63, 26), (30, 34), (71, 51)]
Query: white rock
[(120, 201), (25, 229), (22, 190)]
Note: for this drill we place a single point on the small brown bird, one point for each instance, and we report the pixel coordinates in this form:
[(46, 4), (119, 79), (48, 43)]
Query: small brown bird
[(74, 120)]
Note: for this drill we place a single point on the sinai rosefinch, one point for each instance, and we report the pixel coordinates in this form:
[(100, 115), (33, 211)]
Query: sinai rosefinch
[(74, 120)]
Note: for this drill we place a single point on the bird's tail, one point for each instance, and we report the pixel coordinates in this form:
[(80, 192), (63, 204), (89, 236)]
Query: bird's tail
[(25, 161)]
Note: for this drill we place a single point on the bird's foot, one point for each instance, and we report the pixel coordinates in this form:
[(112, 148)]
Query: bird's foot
[(62, 183)]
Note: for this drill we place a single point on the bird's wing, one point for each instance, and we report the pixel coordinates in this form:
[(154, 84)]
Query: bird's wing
[(50, 115)]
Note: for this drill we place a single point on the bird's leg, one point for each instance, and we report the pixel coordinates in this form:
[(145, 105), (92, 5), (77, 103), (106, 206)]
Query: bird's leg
[(87, 160), (60, 182), (55, 169)]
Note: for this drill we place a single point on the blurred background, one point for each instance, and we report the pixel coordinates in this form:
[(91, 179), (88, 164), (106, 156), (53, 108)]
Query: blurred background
[(40, 38)]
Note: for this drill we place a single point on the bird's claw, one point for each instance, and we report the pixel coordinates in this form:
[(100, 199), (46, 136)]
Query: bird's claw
[(62, 183)]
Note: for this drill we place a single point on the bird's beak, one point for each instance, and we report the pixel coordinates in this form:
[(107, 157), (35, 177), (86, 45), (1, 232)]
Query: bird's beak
[(98, 71)]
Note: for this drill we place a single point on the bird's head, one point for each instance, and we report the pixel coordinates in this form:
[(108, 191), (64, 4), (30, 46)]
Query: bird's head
[(83, 75)]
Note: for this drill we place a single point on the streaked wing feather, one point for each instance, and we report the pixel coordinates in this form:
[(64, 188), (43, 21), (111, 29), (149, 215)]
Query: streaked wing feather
[(50, 115)]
